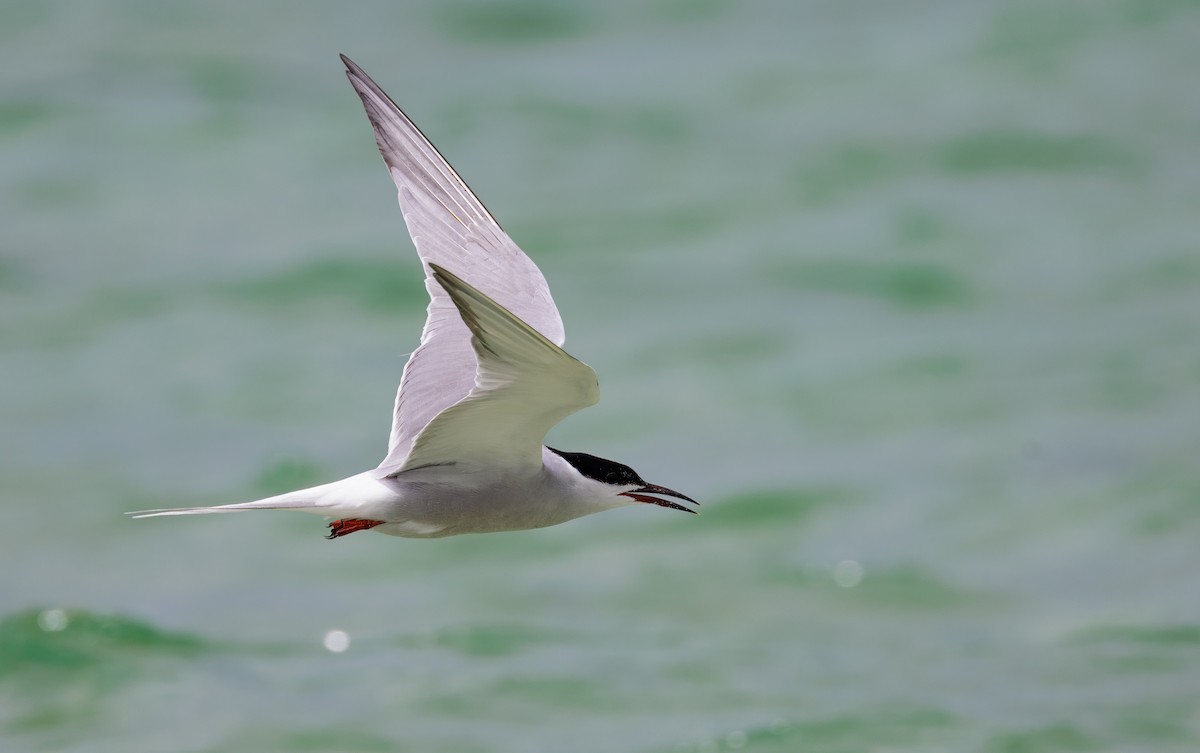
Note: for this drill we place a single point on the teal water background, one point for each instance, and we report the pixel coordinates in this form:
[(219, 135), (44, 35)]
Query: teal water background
[(907, 293)]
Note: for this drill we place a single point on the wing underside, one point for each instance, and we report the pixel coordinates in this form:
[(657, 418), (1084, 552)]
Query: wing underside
[(524, 385), (451, 228)]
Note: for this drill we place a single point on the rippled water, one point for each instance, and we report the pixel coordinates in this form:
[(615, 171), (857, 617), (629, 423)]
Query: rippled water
[(907, 293)]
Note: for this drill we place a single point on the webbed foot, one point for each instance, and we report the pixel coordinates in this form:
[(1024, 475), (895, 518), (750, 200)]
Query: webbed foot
[(347, 526)]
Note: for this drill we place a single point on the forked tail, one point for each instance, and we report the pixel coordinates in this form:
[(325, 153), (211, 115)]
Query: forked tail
[(303, 499)]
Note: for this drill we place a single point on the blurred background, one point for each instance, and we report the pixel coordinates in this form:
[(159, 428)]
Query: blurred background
[(907, 293)]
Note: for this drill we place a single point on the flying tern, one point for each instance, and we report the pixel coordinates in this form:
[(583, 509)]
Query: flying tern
[(478, 395)]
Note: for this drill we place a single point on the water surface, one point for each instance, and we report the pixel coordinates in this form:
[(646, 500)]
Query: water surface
[(906, 293)]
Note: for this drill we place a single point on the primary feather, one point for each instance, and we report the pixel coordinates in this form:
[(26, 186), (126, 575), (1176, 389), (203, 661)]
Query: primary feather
[(449, 227), (524, 385)]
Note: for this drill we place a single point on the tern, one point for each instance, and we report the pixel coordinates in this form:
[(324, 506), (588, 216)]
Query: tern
[(476, 398)]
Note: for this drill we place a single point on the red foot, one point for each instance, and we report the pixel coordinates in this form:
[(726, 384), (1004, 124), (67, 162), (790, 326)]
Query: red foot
[(349, 525)]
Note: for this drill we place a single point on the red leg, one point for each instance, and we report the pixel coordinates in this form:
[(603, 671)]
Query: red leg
[(349, 525)]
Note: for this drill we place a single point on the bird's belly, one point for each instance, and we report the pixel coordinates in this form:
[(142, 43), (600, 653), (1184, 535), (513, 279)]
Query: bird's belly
[(435, 514)]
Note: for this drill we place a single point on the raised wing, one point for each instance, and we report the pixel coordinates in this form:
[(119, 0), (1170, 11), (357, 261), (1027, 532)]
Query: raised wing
[(524, 385), (449, 227)]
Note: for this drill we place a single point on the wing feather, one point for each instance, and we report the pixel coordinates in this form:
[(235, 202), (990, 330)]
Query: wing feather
[(452, 228), (524, 385)]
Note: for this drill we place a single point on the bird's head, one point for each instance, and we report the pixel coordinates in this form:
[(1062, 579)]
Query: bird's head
[(622, 481)]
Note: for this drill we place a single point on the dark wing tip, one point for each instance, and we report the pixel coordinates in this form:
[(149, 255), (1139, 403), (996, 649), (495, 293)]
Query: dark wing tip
[(441, 274), (361, 81), (460, 293), (456, 286)]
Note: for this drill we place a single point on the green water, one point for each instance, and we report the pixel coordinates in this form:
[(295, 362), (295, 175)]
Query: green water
[(907, 293)]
